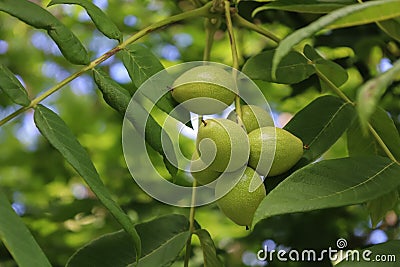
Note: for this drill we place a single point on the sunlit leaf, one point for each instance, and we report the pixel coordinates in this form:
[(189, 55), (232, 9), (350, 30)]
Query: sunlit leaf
[(357, 14), (100, 19), (116, 249), (331, 183), (17, 238), (310, 6), (60, 136), (11, 86)]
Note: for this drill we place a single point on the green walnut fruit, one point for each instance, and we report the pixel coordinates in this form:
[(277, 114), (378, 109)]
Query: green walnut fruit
[(201, 172), (222, 144), (288, 150), (240, 203), (204, 89), (253, 117)]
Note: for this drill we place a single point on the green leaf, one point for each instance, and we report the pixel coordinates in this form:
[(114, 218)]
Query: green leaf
[(60, 137), (333, 71), (309, 6), (38, 17), (141, 65), (140, 62), (379, 207), (153, 131), (12, 87), (391, 27), (331, 183), (293, 68), (361, 143), (114, 94), (370, 93), (390, 249), (69, 45), (100, 19), (163, 239), (320, 124), (386, 9), (209, 251), (17, 238), (115, 249), (351, 15)]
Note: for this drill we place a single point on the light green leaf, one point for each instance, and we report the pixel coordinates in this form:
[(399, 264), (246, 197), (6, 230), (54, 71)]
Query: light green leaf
[(100, 19), (351, 15), (390, 250), (209, 251), (370, 93), (12, 87), (140, 63), (38, 17), (309, 6), (320, 124), (331, 183), (391, 27), (17, 238), (60, 137), (293, 68), (116, 249)]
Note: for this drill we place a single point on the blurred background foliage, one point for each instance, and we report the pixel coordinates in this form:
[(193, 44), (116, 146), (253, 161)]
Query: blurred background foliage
[(61, 211)]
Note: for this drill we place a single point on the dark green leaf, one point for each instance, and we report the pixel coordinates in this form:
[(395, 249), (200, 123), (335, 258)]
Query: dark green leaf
[(379, 207), (333, 71), (114, 94), (309, 6), (293, 68), (36, 16), (69, 45), (60, 136), (17, 238), (12, 87), (391, 27), (363, 143), (331, 183), (209, 252), (142, 64), (371, 92), (351, 15), (320, 124), (116, 249), (100, 19), (390, 250)]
